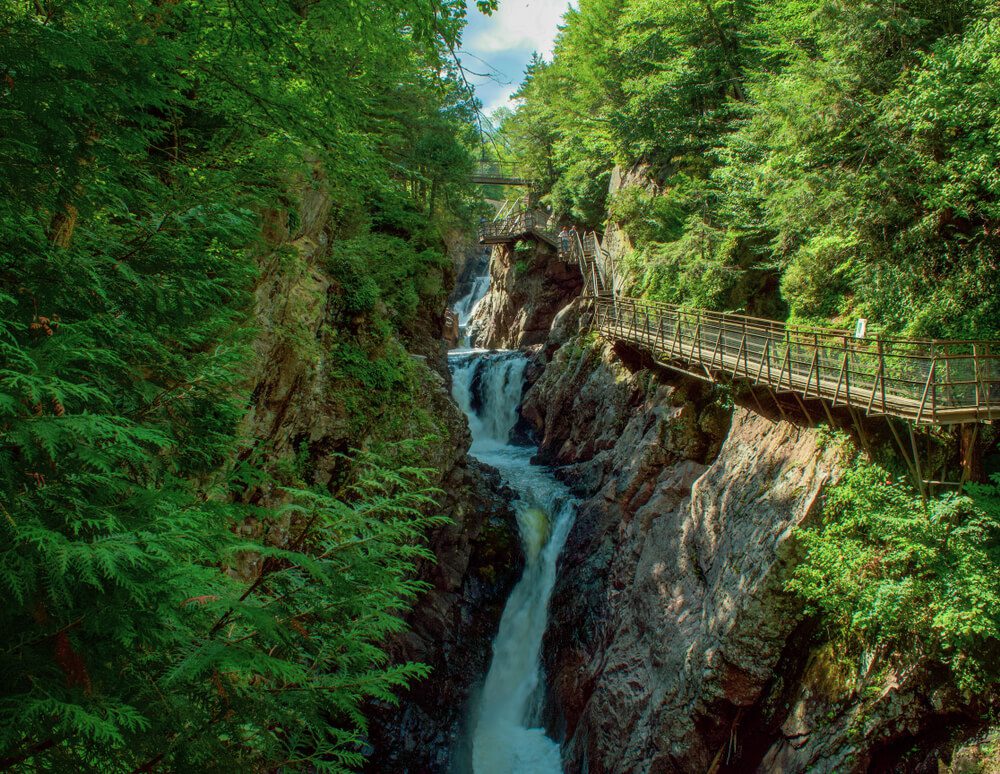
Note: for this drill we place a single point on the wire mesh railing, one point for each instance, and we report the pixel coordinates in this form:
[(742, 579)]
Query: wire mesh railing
[(518, 225), (595, 262), (499, 173)]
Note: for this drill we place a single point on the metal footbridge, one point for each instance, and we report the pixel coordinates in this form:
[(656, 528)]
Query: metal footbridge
[(926, 382), (496, 173)]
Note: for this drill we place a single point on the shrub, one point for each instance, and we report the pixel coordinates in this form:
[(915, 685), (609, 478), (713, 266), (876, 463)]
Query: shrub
[(888, 573)]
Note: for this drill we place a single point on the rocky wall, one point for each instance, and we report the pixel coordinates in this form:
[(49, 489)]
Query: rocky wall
[(529, 285), (672, 644), (298, 409)]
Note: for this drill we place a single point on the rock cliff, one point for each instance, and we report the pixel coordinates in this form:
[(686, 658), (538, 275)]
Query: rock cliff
[(301, 409), (672, 645), (528, 287), (478, 560)]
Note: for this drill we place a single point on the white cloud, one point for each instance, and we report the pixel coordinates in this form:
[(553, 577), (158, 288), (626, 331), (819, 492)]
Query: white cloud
[(501, 99), (496, 49), (520, 24)]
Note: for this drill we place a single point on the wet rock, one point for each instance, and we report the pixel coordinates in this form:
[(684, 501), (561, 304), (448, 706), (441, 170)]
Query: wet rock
[(528, 287), (672, 645)]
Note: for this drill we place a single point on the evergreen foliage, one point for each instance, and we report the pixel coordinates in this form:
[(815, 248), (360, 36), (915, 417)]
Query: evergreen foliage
[(152, 619), (814, 161), (817, 160)]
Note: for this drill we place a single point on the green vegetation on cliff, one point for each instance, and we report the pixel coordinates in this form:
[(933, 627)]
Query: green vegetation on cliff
[(892, 576), (820, 160), (155, 152)]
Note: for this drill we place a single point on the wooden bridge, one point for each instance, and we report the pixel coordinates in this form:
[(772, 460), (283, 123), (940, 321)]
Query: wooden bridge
[(495, 173), (522, 224), (927, 382)]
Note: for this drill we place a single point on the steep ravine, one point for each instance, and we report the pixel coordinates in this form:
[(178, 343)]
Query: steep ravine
[(672, 645)]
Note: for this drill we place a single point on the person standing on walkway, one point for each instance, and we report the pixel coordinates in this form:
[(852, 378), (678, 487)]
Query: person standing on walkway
[(564, 241)]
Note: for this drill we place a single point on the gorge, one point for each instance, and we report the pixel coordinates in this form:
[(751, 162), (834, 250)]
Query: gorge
[(646, 424)]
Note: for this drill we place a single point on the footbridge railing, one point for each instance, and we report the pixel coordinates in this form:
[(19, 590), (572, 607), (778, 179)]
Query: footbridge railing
[(928, 382), (497, 173), (522, 224), (596, 262)]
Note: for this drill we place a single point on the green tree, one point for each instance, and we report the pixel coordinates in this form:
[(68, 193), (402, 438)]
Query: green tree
[(149, 148)]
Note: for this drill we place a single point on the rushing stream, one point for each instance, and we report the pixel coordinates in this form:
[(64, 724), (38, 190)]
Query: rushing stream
[(507, 737)]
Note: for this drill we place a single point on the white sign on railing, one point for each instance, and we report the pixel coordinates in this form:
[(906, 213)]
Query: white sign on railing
[(861, 328)]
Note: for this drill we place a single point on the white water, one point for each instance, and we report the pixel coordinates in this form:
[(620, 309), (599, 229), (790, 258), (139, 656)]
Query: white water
[(466, 306), (507, 737)]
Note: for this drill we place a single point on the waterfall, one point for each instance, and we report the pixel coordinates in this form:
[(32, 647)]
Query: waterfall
[(487, 387), (467, 304), (507, 737), (478, 285)]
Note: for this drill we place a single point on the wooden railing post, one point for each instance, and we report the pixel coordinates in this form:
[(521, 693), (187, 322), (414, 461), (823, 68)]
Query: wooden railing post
[(927, 387), (976, 377)]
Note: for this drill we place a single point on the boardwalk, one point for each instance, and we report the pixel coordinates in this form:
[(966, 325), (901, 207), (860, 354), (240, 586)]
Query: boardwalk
[(489, 173), (523, 224), (926, 382)]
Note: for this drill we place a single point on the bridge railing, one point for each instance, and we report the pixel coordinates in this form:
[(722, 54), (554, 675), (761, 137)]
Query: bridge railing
[(595, 262), (499, 173), (927, 381), (518, 224), (510, 226)]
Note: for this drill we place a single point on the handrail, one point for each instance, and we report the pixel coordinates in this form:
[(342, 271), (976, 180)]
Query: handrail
[(500, 173), (518, 225), (927, 382)]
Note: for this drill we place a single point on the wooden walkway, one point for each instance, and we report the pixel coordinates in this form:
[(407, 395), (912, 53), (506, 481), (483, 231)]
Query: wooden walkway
[(925, 382), (489, 173), (523, 224), (928, 382)]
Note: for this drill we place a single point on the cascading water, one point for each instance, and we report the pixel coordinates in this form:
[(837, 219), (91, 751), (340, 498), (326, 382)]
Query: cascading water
[(507, 737), (465, 307)]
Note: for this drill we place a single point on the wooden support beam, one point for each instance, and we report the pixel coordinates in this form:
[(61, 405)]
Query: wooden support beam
[(862, 433), (803, 407), (914, 473), (781, 409), (971, 461), (916, 462), (829, 414)]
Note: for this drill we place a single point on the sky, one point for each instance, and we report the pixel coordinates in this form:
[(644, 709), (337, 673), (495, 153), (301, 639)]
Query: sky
[(502, 45)]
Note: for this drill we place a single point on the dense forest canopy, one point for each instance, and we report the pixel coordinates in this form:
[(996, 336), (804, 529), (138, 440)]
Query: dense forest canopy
[(180, 596), (816, 161), (804, 158), (154, 153)]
